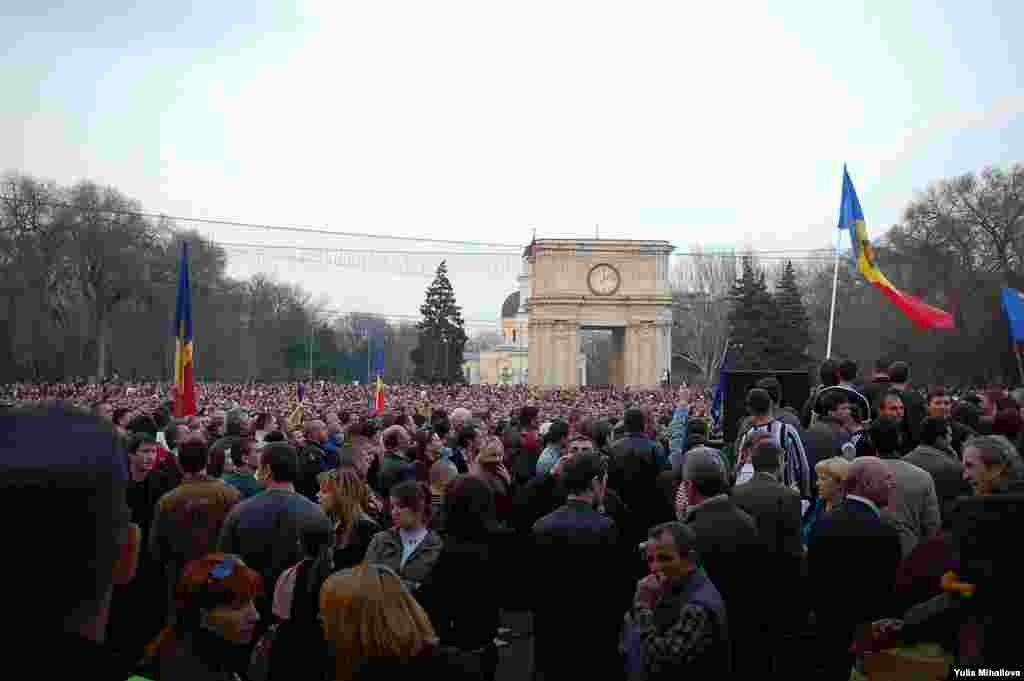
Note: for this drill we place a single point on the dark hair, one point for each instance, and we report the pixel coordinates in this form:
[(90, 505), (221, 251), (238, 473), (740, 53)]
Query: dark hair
[(233, 424), (193, 455), (773, 386), (932, 428), (139, 439), (882, 366), (683, 536), (314, 538), (282, 460), (262, 419), (465, 436), (470, 511), (758, 401), (216, 459), (240, 450), (414, 496), (697, 427), (171, 435), (275, 436), (829, 373), (885, 435), (118, 414), (160, 419), (364, 428), (834, 399), (556, 431), (580, 470), (766, 457), (968, 414), (527, 415), (848, 370), (1007, 423), (935, 393), (142, 423), (442, 426), (347, 458), (633, 420), (889, 395), (392, 440), (899, 372)]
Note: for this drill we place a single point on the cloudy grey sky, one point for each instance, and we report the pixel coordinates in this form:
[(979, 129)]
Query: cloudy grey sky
[(722, 123)]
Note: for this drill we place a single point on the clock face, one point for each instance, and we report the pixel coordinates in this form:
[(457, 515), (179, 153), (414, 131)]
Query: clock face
[(603, 280)]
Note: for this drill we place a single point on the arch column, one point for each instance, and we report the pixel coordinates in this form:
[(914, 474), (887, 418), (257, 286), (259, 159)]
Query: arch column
[(646, 353)]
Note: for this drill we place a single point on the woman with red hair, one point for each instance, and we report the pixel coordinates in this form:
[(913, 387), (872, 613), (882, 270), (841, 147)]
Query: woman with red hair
[(214, 622)]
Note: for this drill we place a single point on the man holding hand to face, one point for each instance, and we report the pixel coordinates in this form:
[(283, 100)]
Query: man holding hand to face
[(678, 617)]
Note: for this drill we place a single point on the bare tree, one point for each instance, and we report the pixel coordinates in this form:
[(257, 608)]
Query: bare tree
[(112, 250), (700, 290)]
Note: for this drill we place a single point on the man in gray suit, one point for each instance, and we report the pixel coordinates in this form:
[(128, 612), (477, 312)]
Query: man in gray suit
[(913, 508)]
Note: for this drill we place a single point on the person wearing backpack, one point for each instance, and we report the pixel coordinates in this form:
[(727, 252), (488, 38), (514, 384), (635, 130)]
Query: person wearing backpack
[(795, 470)]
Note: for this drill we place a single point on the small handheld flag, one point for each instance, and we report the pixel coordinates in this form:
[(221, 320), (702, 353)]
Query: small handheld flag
[(379, 401)]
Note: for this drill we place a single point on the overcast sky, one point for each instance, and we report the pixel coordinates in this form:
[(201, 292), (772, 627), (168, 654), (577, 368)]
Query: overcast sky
[(722, 123)]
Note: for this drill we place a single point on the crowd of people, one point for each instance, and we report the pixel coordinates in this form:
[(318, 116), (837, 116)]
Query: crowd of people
[(290, 531)]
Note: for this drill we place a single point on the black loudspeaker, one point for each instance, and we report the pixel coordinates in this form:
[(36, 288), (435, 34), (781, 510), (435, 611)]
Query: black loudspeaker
[(796, 388)]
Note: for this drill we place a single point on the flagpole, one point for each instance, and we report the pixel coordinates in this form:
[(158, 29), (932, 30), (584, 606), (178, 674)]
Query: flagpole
[(835, 286)]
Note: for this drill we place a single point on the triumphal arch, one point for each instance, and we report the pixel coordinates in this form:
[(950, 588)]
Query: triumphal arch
[(619, 285)]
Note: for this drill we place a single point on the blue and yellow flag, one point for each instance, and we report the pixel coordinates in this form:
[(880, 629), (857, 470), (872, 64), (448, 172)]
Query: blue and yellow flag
[(184, 386), (851, 219)]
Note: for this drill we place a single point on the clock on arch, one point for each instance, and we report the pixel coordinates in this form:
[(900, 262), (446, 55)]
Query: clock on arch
[(603, 279)]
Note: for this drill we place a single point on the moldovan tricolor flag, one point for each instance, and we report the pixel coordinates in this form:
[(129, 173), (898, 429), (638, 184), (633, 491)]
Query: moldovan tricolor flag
[(185, 390), (851, 218), (379, 401)]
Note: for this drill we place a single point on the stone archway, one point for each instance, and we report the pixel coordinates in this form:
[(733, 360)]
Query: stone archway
[(620, 285)]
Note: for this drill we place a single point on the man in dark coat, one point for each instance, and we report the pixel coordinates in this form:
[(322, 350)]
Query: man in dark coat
[(776, 510), (774, 507), (577, 609), (633, 473), (728, 544), (854, 542)]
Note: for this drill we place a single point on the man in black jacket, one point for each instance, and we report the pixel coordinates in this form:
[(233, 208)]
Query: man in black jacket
[(774, 507), (853, 541), (633, 473), (575, 603), (311, 459)]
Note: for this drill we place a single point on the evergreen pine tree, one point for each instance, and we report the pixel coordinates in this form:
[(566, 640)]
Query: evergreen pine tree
[(442, 335), (794, 326), (750, 319)]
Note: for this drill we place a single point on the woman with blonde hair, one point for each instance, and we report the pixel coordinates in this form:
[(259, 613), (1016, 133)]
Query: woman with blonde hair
[(375, 629), (831, 474), (344, 497), (489, 466)]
